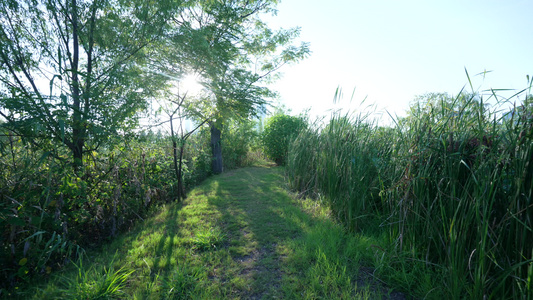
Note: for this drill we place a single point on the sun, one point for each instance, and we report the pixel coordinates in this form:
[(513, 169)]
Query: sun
[(189, 84)]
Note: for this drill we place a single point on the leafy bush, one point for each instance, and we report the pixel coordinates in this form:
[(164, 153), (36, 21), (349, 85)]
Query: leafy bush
[(279, 131), (239, 138), (197, 159), (48, 213)]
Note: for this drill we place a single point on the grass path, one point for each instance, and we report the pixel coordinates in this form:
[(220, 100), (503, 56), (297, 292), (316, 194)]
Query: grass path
[(240, 235)]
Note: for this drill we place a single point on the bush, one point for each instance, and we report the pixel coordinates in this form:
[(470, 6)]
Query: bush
[(280, 130), (239, 139), (49, 214)]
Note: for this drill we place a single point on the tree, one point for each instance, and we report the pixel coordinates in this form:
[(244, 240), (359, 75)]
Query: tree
[(71, 70), (235, 54), (175, 109), (432, 108)]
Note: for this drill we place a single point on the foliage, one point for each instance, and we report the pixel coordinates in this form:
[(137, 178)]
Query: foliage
[(95, 284), (71, 73), (197, 159), (241, 139), (452, 182), (341, 161), (48, 213), (75, 168), (179, 137), (235, 54), (278, 133), (268, 245), (207, 239)]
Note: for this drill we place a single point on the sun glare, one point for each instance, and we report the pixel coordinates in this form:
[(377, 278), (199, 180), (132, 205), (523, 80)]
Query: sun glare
[(190, 85)]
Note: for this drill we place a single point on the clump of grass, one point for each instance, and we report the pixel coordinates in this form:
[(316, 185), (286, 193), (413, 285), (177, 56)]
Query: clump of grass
[(328, 279), (95, 283), (208, 238), (183, 282), (457, 201), (341, 163)]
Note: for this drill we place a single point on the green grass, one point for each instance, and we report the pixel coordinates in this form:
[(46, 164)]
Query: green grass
[(452, 185), (240, 235)]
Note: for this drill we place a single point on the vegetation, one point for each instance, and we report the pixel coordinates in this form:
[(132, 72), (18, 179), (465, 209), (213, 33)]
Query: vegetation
[(75, 78), (279, 131), (235, 55), (451, 183), (439, 205), (238, 235), (70, 72), (49, 214), (242, 147)]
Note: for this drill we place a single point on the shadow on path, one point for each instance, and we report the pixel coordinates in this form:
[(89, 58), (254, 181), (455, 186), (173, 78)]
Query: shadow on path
[(253, 207), (260, 220)]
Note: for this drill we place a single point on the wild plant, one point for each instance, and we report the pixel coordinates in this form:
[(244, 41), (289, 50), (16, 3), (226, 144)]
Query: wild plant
[(452, 182), (454, 202), (48, 213)]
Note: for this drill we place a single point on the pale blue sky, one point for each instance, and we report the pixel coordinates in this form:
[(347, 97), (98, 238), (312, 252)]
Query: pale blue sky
[(391, 51)]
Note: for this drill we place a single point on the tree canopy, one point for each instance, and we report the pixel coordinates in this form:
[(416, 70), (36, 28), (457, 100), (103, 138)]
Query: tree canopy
[(75, 72), (71, 70), (235, 54)]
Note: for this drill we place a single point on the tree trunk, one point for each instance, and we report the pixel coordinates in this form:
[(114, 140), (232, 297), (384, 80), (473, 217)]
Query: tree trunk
[(181, 189), (177, 168), (78, 140), (175, 154), (216, 148)]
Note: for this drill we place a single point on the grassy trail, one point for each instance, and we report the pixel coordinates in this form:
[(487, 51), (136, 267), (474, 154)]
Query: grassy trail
[(240, 235)]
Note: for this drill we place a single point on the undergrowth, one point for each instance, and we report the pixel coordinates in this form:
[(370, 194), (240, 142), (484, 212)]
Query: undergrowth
[(238, 235), (50, 214)]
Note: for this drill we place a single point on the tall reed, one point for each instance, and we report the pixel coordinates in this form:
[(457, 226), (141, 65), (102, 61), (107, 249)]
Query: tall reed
[(452, 182), (340, 162)]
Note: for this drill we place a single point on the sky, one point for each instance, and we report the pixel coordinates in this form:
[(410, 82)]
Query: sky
[(388, 52)]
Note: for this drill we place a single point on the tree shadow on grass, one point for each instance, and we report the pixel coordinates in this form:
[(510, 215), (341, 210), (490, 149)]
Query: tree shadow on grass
[(152, 251), (164, 254), (267, 246), (264, 225), (247, 200)]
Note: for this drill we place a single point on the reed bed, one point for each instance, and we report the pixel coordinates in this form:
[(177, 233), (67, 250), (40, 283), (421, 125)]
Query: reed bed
[(452, 183)]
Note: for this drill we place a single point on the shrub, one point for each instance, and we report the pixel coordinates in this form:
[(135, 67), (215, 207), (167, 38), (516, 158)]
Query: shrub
[(280, 130), (49, 214), (239, 138)]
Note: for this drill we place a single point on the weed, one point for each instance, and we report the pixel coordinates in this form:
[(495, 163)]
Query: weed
[(208, 238), (238, 235), (95, 283)]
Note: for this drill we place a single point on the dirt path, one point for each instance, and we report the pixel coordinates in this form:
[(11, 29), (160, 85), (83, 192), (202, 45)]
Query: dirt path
[(277, 246), (239, 235)]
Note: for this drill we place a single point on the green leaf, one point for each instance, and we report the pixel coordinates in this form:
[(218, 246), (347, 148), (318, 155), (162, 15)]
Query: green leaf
[(35, 234), (35, 220), (52, 82), (23, 261), (63, 98), (16, 221), (59, 58), (62, 129), (22, 271)]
